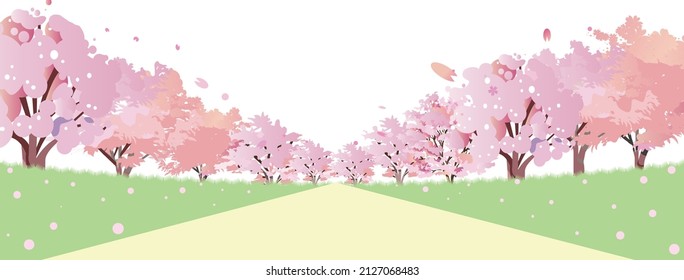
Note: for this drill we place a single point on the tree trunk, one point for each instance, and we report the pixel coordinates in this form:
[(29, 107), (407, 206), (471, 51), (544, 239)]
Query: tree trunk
[(202, 177), (127, 171), (398, 177), (31, 155), (516, 164), (639, 158), (578, 155)]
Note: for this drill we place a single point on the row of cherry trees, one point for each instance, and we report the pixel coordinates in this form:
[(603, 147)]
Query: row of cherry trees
[(58, 92)]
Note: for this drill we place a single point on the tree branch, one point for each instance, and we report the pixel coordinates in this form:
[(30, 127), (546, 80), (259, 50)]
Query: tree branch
[(47, 148), (125, 148), (527, 114), (25, 106), (50, 81), (111, 159), (629, 140), (580, 128), (510, 130)]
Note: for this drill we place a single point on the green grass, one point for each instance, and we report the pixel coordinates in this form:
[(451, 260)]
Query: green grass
[(84, 220), (586, 209)]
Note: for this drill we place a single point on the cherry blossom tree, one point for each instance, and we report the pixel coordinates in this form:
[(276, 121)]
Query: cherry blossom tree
[(646, 90), (136, 129), (265, 149), (445, 150), (532, 115), (313, 161), (587, 75), (394, 146), (202, 148), (55, 87), (353, 163)]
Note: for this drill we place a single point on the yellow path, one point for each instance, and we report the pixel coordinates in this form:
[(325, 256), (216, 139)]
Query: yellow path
[(337, 222)]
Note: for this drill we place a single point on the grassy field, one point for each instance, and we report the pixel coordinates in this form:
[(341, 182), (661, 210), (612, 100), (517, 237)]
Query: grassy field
[(54, 212), (637, 214)]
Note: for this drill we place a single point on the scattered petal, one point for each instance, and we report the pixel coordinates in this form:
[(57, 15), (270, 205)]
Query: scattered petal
[(671, 170), (29, 244), (201, 83), (547, 35), (443, 71), (118, 228)]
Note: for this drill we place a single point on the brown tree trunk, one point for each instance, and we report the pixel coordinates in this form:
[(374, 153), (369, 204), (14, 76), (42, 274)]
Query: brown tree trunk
[(578, 155), (31, 153), (127, 171), (398, 177), (639, 158), (516, 164)]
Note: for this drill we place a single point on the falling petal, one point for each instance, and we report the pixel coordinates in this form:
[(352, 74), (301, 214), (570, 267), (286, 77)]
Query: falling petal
[(48, 2), (443, 71), (106, 29), (382, 107), (136, 39), (201, 83), (547, 35), (177, 47), (224, 96)]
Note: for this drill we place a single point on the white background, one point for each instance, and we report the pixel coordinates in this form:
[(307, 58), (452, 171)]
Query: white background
[(324, 67)]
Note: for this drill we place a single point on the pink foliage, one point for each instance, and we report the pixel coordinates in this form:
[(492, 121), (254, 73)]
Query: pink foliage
[(394, 146), (202, 146), (313, 161), (134, 128), (445, 150), (265, 149), (353, 163), (647, 104), (56, 88), (531, 113)]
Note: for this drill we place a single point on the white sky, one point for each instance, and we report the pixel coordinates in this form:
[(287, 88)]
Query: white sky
[(324, 67)]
